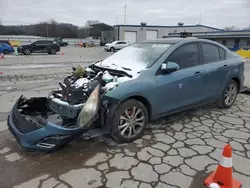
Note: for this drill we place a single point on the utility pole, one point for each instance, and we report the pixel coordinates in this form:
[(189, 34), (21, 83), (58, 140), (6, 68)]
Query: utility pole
[(124, 22), (47, 33)]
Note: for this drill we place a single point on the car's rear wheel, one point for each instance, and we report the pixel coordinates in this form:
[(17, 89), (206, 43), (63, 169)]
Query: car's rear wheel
[(6, 51), (229, 95), (112, 49), (52, 51), (27, 51), (129, 121)]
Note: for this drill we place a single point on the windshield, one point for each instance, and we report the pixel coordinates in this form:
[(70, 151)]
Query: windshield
[(139, 55)]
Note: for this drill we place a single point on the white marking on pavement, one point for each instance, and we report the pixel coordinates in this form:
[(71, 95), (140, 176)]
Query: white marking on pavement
[(12, 157), (3, 126), (4, 150), (32, 66)]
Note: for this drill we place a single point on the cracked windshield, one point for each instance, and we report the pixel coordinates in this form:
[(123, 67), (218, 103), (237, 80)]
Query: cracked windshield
[(124, 94)]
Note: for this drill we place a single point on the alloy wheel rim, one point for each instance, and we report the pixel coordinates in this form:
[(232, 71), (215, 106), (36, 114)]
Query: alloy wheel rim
[(131, 122), (230, 94), (27, 51)]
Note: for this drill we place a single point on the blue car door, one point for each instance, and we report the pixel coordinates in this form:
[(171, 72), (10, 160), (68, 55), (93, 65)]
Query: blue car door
[(184, 87), (217, 70)]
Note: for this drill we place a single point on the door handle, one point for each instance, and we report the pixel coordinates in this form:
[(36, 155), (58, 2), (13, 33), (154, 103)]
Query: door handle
[(198, 74)]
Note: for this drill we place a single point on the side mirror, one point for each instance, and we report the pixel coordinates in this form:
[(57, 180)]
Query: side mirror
[(169, 67)]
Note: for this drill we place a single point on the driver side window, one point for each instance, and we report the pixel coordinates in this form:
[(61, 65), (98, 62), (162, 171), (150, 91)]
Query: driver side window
[(186, 55), (38, 42)]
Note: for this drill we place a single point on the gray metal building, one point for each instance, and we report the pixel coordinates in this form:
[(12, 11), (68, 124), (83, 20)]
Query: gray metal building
[(137, 33)]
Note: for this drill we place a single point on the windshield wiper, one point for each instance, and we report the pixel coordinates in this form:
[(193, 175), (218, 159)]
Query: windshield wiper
[(115, 71), (125, 68)]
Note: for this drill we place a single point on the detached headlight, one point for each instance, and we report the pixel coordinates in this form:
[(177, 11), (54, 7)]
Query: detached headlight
[(89, 109)]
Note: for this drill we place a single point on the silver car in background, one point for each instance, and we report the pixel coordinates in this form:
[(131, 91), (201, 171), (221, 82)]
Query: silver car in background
[(116, 45)]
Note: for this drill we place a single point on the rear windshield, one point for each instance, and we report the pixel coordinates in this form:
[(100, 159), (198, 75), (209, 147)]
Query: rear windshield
[(5, 42)]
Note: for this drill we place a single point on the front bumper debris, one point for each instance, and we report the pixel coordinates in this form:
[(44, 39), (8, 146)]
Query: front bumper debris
[(39, 134)]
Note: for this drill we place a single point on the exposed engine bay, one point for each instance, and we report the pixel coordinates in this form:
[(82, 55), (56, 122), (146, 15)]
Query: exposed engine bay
[(48, 123), (63, 106)]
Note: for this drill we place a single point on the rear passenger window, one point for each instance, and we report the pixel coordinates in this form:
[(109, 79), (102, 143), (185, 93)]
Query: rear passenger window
[(121, 42), (38, 42), (186, 55), (49, 42), (211, 53), (222, 54)]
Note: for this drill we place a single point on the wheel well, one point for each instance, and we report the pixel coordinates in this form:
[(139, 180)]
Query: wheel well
[(144, 101), (238, 82), (6, 50)]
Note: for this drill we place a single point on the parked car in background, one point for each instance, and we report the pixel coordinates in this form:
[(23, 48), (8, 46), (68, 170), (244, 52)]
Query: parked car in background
[(116, 45), (141, 82), (60, 41), (6, 49), (40, 46), (5, 42), (15, 43)]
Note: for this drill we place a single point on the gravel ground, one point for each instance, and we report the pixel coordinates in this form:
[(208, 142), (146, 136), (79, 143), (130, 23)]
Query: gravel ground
[(177, 151)]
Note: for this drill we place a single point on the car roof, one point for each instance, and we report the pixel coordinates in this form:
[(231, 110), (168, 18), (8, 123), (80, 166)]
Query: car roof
[(44, 41), (165, 40), (174, 40)]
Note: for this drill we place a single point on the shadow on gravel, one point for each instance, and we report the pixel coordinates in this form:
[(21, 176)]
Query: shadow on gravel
[(198, 179)]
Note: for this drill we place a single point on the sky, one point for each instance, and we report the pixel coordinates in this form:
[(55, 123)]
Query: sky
[(215, 13)]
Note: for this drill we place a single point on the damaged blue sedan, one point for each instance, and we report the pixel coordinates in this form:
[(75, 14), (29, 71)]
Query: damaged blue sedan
[(143, 81)]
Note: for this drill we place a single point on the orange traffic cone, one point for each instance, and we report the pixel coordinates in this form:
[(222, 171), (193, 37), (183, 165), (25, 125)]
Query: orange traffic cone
[(62, 53), (2, 56), (223, 176)]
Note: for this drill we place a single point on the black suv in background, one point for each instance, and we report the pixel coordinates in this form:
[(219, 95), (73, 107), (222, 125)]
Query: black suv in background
[(5, 42), (40, 46)]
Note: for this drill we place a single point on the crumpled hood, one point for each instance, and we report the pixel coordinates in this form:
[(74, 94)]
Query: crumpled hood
[(125, 66)]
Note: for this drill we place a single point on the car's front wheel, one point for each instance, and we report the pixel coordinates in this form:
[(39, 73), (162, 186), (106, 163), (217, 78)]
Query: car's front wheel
[(229, 95), (112, 49), (6, 51), (129, 121), (52, 51), (27, 51)]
